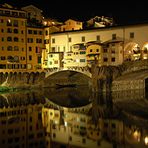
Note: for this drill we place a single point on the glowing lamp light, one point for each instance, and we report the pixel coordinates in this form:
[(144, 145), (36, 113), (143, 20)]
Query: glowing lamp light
[(146, 140), (65, 123), (9, 20), (45, 23), (77, 60)]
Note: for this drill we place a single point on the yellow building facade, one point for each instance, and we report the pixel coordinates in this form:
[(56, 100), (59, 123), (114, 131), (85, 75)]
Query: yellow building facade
[(71, 24), (12, 39), (35, 44)]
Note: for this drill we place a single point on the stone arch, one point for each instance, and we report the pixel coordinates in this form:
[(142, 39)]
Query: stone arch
[(144, 51), (132, 51)]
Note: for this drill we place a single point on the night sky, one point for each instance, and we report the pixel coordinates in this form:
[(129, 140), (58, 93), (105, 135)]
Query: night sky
[(123, 12)]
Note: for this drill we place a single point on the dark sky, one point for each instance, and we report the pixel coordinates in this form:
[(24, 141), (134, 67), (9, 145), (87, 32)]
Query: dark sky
[(122, 11)]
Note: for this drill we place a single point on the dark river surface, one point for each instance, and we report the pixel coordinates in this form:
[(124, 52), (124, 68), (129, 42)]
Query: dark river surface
[(73, 117)]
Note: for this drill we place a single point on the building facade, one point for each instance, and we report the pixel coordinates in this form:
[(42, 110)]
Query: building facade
[(129, 42), (13, 39)]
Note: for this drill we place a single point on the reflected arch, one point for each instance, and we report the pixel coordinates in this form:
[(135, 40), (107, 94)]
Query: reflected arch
[(144, 51), (132, 52)]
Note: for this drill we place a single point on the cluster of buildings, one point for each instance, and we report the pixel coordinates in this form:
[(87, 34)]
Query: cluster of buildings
[(31, 42)]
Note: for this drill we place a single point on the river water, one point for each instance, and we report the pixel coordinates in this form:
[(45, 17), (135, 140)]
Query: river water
[(73, 117)]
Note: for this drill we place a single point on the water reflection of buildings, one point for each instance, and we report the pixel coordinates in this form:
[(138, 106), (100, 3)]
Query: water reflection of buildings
[(25, 123), (21, 127)]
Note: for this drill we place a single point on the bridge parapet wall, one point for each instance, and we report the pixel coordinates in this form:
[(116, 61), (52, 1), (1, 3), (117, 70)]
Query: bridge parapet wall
[(83, 70), (135, 66)]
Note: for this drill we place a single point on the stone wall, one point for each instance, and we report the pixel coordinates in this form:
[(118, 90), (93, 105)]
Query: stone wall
[(25, 79)]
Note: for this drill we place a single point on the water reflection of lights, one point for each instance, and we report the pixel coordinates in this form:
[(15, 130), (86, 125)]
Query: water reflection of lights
[(146, 140), (137, 135)]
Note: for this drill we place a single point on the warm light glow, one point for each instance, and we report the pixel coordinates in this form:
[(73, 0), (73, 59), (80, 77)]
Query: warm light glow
[(65, 123), (45, 23), (77, 60), (136, 135), (9, 20), (146, 140)]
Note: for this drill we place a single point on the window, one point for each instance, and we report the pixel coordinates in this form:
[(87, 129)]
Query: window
[(9, 38), (46, 32), (83, 38), (113, 59), (29, 31), (2, 39), (97, 50), (113, 51), (82, 52), (53, 40), (30, 58), (56, 62), (53, 49), (40, 33), (15, 39), (98, 38), (39, 60), (69, 39), (38, 40), (9, 30), (84, 140), (30, 40), (16, 48), (15, 30), (15, 23), (113, 36), (105, 50), (9, 23), (2, 30), (105, 59), (1, 20), (131, 35), (35, 32), (30, 48), (90, 50), (82, 60)]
